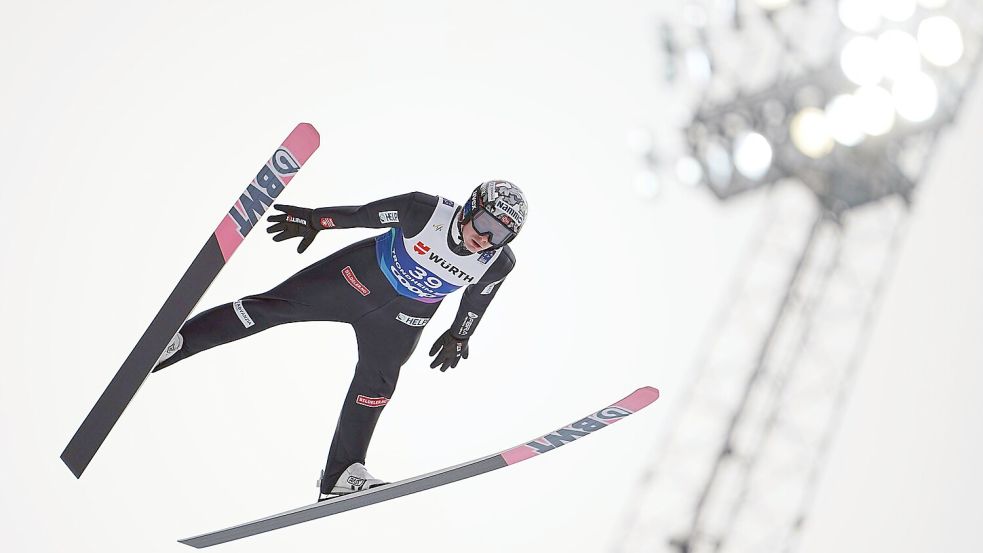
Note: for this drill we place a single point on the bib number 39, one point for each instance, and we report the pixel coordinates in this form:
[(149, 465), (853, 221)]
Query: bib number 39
[(421, 274)]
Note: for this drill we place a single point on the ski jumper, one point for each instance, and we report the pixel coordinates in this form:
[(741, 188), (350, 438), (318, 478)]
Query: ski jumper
[(387, 287)]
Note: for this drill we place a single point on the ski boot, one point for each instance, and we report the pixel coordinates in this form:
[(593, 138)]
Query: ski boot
[(172, 347), (355, 479)]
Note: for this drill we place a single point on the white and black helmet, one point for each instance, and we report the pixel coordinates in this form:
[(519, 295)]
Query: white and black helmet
[(506, 205)]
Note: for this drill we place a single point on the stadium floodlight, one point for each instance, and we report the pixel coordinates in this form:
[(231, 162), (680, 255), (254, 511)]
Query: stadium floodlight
[(940, 40), (810, 132), (898, 10), (860, 16), (843, 116), (861, 62), (876, 110), (752, 155), (915, 97), (852, 99), (899, 53)]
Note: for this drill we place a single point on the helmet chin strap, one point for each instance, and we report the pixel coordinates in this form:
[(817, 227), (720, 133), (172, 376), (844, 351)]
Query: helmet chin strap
[(455, 236), (460, 224)]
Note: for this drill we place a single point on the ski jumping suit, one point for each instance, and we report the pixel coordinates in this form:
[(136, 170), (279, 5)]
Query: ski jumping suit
[(386, 287)]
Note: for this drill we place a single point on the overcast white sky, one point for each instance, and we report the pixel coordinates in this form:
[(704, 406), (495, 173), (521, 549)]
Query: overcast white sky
[(128, 128)]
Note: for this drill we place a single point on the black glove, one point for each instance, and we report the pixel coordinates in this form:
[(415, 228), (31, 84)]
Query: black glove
[(294, 222), (448, 351)]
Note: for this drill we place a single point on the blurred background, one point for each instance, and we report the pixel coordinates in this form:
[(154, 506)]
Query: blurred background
[(768, 209)]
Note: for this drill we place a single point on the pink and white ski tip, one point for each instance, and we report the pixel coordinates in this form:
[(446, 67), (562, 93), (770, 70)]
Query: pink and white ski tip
[(260, 194), (639, 399)]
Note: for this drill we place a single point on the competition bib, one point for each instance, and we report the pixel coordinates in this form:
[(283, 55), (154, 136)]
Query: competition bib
[(423, 267)]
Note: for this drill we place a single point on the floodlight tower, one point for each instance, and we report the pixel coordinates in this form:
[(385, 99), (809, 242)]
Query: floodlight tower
[(832, 110)]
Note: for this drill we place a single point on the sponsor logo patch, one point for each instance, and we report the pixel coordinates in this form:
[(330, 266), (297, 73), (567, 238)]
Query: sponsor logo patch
[(386, 217), (371, 401), (247, 321), (438, 227), (446, 265), (349, 275), (490, 288), (447, 202), (412, 321), (467, 324), (485, 257), (299, 221), (173, 347), (421, 248), (355, 482), (509, 210), (327, 222)]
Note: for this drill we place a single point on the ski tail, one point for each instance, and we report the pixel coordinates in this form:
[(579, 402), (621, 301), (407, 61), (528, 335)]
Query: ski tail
[(248, 209), (638, 400)]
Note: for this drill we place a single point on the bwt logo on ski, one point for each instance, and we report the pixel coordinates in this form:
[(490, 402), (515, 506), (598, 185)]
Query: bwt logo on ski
[(260, 193), (578, 429)]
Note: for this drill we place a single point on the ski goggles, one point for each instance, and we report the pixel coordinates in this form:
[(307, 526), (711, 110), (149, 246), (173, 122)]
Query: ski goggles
[(489, 226)]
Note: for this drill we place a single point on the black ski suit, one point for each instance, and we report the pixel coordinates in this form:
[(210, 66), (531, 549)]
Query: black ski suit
[(386, 287)]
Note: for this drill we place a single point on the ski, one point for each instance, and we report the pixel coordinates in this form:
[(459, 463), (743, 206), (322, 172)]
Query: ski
[(573, 431), (235, 225)]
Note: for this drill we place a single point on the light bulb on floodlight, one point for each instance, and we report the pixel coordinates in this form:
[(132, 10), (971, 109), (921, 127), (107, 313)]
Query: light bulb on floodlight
[(752, 155), (898, 10), (940, 40), (689, 172), (899, 53), (876, 110), (719, 168), (916, 97), (860, 61), (810, 133), (698, 64), (843, 115), (860, 16)]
